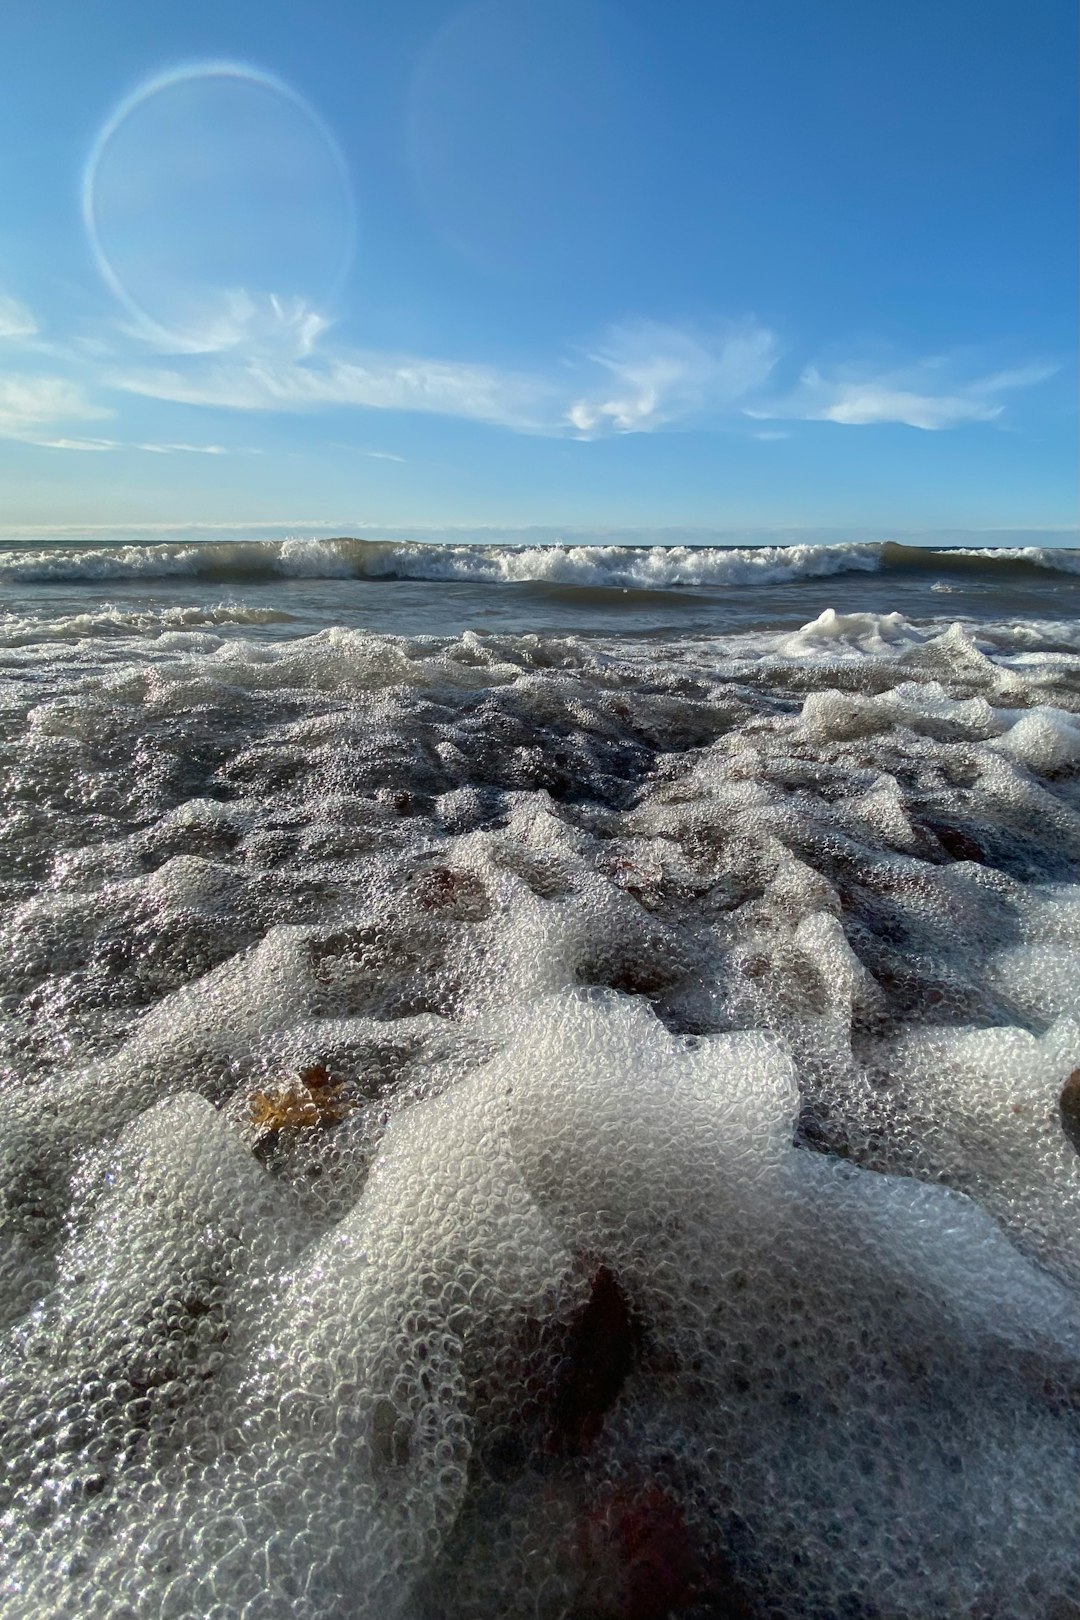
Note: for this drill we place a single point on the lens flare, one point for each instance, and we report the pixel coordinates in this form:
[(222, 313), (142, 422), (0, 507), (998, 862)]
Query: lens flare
[(218, 207)]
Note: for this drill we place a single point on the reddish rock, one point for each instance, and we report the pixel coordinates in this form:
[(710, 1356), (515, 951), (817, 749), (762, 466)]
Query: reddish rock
[(640, 1558)]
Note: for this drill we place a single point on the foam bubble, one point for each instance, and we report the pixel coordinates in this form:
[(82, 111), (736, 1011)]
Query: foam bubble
[(527, 1126)]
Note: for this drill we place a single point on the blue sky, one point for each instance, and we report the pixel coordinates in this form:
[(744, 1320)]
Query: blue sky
[(765, 264)]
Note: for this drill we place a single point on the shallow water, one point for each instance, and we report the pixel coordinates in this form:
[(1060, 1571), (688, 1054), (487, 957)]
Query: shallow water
[(525, 1095)]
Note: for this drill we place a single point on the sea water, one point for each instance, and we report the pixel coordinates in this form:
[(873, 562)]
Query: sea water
[(539, 1081)]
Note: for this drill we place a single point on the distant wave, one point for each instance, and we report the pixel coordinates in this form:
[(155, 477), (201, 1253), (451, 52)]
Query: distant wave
[(975, 559), (617, 567)]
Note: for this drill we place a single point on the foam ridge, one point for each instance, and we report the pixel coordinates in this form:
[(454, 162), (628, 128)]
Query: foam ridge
[(541, 1126)]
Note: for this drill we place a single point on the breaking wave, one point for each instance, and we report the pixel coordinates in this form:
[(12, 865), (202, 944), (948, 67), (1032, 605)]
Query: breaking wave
[(619, 567)]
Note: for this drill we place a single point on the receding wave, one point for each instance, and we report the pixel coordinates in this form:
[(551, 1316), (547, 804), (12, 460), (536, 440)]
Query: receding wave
[(108, 621), (618, 567)]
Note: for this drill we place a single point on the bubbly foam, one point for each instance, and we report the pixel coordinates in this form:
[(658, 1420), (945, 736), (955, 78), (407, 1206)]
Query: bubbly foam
[(109, 621), (539, 1126)]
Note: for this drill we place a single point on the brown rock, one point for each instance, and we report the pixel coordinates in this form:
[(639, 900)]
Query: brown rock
[(1069, 1104)]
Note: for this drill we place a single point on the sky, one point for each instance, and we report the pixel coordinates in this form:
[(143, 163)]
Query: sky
[(717, 264)]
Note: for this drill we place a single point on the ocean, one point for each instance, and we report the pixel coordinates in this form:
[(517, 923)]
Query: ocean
[(539, 1081)]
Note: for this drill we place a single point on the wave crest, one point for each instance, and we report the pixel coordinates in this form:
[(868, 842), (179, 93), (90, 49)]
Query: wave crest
[(617, 567)]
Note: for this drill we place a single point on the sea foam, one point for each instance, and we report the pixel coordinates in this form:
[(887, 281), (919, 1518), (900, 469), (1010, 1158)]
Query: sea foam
[(542, 1126)]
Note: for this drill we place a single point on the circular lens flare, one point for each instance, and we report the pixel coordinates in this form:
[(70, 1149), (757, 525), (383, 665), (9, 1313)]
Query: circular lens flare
[(218, 208)]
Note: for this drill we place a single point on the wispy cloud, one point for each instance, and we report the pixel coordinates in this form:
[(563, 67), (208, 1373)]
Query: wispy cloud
[(921, 396), (72, 444), (31, 409), (359, 450), (234, 320), (653, 375), (640, 377), (270, 355), (124, 444), (180, 449), (30, 406), (369, 380), (16, 321)]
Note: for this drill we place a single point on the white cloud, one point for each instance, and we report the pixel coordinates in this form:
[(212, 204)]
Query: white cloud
[(359, 450), (234, 320), (914, 397), (859, 405), (178, 449), (641, 377), (269, 355), (373, 381), (659, 374), (16, 321), (121, 444), (74, 444), (31, 405)]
